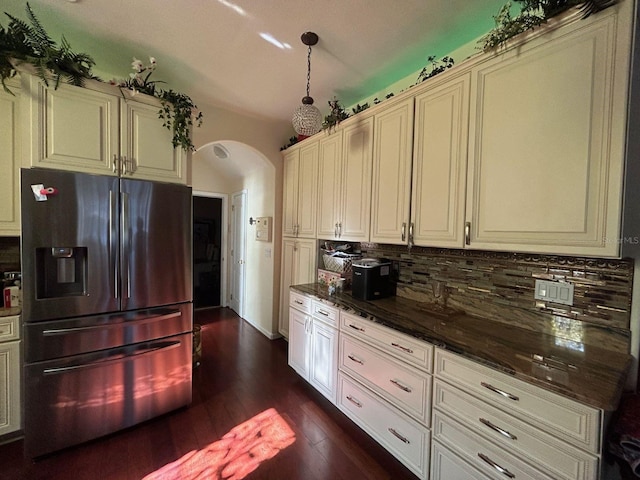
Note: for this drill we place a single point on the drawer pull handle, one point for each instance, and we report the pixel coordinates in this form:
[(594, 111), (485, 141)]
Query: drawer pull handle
[(356, 328), (299, 302), (322, 312), (357, 360), (408, 350), (396, 434), (497, 429), (400, 386), (499, 392), (354, 401), (502, 470)]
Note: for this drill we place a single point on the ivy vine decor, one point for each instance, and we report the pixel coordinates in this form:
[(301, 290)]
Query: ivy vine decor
[(177, 108), (434, 67), (336, 115), (532, 14), (29, 43)]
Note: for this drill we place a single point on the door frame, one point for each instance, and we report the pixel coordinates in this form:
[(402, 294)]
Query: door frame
[(242, 241), (224, 239)]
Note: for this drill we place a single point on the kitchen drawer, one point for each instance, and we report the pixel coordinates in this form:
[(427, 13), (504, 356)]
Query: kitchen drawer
[(553, 413), (400, 435), (406, 387), (446, 465), (399, 345), (9, 328), (480, 453), (324, 312), (299, 301), (556, 457)]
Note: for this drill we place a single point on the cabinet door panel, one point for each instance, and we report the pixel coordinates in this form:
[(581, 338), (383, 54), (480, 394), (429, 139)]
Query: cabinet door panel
[(307, 191), (147, 144), (323, 372), (439, 165), (329, 185), (305, 262), (356, 181), (299, 342), (10, 404), (544, 174), (10, 163), (73, 128), (290, 192), (286, 280), (393, 133)]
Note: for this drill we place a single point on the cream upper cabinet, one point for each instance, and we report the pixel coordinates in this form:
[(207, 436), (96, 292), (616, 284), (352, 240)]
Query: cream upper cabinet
[(71, 128), (10, 160), (357, 146), (547, 139), (391, 185), (84, 130), (146, 145), (439, 164), (329, 185), (300, 191), (344, 177)]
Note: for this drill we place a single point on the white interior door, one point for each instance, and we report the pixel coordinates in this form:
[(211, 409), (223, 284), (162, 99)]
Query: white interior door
[(238, 251)]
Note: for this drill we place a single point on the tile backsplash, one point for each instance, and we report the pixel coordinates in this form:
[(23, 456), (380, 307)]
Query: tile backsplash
[(501, 286), (9, 254)]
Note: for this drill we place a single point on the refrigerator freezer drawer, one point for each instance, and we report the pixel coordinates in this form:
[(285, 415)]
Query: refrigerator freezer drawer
[(75, 336), (80, 398)]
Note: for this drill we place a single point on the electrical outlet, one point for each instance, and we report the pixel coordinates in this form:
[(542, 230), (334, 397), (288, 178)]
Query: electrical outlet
[(556, 292)]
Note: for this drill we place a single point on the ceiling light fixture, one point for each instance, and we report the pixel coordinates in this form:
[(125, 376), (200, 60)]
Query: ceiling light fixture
[(307, 119)]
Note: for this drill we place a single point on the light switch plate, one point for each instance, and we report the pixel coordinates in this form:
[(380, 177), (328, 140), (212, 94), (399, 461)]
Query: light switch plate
[(556, 292)]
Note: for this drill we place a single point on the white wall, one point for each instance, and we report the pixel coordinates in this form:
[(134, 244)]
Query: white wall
[(255, 164)]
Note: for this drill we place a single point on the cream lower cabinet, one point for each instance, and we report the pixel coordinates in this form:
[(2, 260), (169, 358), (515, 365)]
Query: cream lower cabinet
[(547, 141), (502, 426), (300, 190), (313, 346), (344, 179), (384, 386), (10, 161), (10, 375), (298, 267), (91, 131)]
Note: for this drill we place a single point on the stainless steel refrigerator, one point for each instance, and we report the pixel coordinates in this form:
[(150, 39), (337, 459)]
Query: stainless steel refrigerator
[(107, 304)]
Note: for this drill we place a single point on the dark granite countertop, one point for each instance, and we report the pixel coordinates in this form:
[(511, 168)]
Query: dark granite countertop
[(592, 375), (7, 312)]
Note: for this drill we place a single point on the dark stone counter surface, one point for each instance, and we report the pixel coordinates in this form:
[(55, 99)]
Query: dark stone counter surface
[(7, 312), (588, 374)]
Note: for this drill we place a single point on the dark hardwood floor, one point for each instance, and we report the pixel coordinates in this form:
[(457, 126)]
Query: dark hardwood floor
[(241, 378)]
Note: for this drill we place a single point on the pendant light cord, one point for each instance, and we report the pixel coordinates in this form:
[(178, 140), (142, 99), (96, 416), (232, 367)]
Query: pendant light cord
[(308, 68)]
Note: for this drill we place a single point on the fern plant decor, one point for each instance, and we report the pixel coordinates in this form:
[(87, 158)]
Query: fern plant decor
[(23, 42), (532, 14), (29, 43)]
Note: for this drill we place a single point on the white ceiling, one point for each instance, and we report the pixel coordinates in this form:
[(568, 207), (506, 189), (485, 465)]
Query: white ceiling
[(212, 49)]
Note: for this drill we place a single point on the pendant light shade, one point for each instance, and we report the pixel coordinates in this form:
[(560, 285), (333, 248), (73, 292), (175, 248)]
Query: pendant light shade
[(307, 119)]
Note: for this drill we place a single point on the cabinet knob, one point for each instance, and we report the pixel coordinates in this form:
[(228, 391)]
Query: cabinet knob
[(467, 233)]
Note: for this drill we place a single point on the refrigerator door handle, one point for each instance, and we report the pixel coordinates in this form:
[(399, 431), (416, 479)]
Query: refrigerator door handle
[(125, 251), (113, 244), (102, 327), (145, 350)]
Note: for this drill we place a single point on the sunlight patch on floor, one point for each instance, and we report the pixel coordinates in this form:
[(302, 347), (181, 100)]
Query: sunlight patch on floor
[(236, 454)]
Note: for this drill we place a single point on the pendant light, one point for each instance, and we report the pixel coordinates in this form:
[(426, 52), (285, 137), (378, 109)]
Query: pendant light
[(307, 119)]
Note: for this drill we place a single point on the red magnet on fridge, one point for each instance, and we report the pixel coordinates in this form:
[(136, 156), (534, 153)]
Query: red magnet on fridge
[(49, 191)]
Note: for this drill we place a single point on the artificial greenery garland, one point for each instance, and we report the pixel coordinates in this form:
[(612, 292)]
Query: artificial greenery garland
[(532, 14), (22, 42)]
